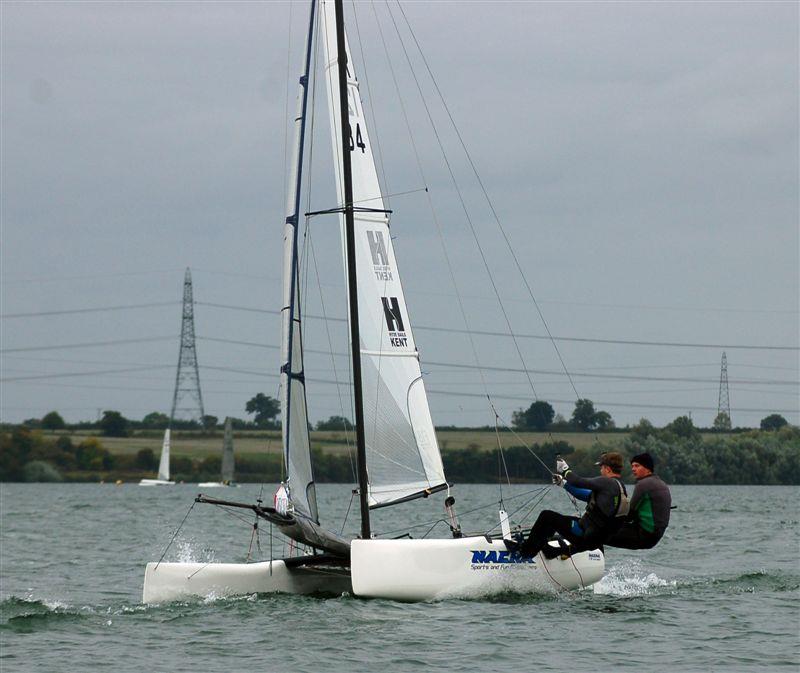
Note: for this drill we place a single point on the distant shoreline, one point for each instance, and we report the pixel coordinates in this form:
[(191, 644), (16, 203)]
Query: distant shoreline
[(746, 457)]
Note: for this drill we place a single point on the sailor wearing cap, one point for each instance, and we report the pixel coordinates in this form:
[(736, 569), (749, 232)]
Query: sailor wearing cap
[(607, 505)]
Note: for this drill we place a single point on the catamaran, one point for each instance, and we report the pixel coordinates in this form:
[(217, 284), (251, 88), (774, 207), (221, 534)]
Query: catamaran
[(226, 478), (398, 457)]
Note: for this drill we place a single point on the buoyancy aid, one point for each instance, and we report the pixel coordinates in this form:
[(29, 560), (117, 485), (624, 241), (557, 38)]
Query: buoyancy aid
[(621, 507), (624, 503)]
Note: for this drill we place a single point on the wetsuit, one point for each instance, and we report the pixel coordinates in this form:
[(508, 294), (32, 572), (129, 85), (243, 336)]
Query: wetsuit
[(648, 517), (588, 532)]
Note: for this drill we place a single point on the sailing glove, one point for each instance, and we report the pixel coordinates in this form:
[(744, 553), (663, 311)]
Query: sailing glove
[(561, 466)]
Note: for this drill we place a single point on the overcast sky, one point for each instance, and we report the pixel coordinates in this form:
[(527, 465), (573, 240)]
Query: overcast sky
[(642, 159)]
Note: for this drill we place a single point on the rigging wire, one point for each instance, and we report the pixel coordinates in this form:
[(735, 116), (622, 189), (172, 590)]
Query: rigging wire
[(523, 335), (348, 438), (489, 202), (286, 99), (434, 216), (463, 204), (175, 534), (501, 457), (373, 122)]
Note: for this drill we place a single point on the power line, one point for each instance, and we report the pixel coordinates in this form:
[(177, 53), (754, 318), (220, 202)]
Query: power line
[(544, 337), (624, 377), (88, 344), (98, 309), (427, 363), (48, 279), (70, 374), (433, 391), (627, 342)]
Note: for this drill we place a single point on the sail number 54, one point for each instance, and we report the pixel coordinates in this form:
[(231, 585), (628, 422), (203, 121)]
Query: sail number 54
[(359, 140)]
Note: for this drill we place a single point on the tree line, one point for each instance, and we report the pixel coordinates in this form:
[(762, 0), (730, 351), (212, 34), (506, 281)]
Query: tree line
[(683, 456), (541, 416), (263, 408)]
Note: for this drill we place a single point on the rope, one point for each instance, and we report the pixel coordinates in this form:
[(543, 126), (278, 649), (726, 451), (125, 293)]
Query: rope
[(252, 536), (347, 514), (469, 511), (502, 456), (175, 535)]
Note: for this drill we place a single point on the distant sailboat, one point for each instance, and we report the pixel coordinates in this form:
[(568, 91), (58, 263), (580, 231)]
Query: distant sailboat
[(227, 460), (163, 466)]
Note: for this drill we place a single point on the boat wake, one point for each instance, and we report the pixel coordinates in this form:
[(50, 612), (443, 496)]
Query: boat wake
[(26, 615), (628, 578)]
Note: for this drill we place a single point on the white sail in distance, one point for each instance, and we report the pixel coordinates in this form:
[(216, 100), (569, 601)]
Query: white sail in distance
[(403, 458), (227, 453), (163, 464)]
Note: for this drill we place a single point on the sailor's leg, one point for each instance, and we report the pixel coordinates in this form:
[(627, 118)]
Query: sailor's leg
[(631, 536), (547, 524)]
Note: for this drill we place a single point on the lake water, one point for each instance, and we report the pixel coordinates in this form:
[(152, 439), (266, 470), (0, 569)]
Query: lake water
[(720, 593)]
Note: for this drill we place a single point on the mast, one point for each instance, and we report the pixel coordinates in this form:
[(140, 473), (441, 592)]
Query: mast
[(291, 308), (352, 286)]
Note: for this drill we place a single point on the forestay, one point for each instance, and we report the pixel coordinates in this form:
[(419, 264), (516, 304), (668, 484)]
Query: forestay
[(403, 458)]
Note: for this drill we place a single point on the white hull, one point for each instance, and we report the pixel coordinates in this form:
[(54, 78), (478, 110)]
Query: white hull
[(405, 570), (156, 482), (174, 581), (419, 570), (216, 484)]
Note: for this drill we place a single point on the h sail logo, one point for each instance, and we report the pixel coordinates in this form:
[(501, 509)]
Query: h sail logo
[(394, 322), (380, 258)]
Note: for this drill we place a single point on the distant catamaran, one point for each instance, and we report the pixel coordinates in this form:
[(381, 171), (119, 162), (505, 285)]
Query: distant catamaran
[(226, 478), (163, 466), (398, 458)]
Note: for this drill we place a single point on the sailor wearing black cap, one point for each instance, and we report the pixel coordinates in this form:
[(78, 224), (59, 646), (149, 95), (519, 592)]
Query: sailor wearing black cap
[(607, 504), (649, 508)]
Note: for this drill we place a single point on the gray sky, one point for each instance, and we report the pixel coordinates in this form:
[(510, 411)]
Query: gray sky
[(642, 158)]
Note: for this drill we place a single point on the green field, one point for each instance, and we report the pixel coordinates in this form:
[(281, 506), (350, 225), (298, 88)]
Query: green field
[(198, 445)]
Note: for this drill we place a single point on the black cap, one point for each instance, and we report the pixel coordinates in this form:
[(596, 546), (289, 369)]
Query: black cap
[(645, 460)]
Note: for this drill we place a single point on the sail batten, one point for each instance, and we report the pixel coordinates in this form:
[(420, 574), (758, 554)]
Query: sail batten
[(402, 453)]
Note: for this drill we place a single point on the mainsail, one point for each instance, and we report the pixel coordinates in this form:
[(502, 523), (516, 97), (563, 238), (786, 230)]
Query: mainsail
[(403, 458), (294, 429), (163, 465)]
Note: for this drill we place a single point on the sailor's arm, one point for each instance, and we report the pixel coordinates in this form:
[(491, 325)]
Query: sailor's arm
[(579, 493), (590, 483)]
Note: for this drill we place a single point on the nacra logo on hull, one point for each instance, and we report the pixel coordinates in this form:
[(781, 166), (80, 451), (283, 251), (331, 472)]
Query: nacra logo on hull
[(483, 556)]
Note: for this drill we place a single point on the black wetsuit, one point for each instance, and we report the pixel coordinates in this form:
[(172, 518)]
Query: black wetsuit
[(588, 532), (648, 517)]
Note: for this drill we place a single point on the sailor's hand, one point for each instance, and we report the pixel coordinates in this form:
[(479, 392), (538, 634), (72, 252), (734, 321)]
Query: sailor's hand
[(561, 466), (558, 480)]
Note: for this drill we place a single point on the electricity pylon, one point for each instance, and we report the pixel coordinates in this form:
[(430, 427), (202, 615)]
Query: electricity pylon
[(723, 420), (187, 381)]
